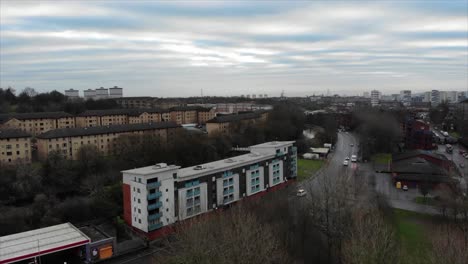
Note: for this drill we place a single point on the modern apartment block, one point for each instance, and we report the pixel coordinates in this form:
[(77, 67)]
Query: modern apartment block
[(225, 124), (36, 123), (158, 196), (15, 147), (69, 140)]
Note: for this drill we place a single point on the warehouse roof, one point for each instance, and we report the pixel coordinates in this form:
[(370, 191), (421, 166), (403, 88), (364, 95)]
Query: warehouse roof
[(13, 133), (39, 242), (37, 115), (86, 131)]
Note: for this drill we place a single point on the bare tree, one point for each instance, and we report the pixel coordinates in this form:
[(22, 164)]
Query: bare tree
[(371, 240), (234, 236), (448, 246), (329, 208)]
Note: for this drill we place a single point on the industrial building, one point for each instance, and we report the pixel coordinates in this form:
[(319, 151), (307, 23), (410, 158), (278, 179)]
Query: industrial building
[(160, 195)]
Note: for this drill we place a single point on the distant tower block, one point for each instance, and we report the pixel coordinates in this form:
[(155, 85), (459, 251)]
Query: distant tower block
[(265, 96), (89, 94), (72, 93), (102, 93), (115, 92)]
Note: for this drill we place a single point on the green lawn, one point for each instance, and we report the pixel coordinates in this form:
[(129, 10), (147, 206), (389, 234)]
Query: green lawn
[(382, 158), (454, 134), (425, 201), (414, 241), (307, 168)]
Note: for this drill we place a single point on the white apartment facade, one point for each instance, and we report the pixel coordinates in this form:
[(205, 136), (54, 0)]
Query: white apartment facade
[(160, 195), (375, 98)]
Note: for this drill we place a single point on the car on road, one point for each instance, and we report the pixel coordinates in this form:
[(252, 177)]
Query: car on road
[(405, 188), (352, 145), (345, 163), (347, 158), (353, 158), (301, 192)]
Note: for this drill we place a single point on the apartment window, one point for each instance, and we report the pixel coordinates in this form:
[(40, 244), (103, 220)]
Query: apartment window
[(8, 153), (17, 152), (139, 201), (139, 220), (17, 145), (139, 211), (8, 146), (138, 190)]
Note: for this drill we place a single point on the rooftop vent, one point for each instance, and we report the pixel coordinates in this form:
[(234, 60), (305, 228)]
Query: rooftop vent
[(199, 167), (160, 165)]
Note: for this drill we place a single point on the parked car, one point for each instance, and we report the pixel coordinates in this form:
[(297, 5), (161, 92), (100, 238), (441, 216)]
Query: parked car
[(301, 192), (352, 145), (345, 163), (405, 188), (353, 158)]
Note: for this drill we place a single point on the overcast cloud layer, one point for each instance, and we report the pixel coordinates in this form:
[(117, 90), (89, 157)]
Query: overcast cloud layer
[(231, 48)]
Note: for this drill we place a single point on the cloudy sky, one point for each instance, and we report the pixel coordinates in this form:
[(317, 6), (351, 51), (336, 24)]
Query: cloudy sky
[(175, 48)]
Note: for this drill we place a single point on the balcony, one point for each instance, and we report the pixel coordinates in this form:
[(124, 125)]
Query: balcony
[(154, 206), (152, 196), (153, 185), (154, 216), (280, 153), (294, 149), (154, 226), (196, 192), (229, 191)]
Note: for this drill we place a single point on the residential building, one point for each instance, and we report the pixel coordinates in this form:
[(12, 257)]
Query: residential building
[(101, 93), (417, 134), (115, 92), (375, 98), (226, 124), (36, 123), (69, 140), (435, 98), (92, 118), (427, 97), (205, 114), (155, 197), (463, 109), (15, 147), (405, 97), (184, 114), (89, 94), (366, 95), (72, 94)]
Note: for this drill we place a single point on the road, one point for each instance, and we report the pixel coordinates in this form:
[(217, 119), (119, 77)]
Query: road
[(347, 145)]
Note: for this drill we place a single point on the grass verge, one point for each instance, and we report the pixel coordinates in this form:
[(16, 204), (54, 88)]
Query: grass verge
[(307, 168), (415, 244), (382, 158), (425, 201)]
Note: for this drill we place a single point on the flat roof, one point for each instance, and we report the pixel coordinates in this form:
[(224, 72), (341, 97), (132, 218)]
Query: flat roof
[(151, 169), (221, 165), (39, 242), (273, 144)]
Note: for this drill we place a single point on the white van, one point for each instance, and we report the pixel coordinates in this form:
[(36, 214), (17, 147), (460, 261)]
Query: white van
[(353, 158)]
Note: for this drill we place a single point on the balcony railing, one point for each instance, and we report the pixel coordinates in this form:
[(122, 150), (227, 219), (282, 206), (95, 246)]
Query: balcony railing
[(153, 185), (154, 216), (279, 154), (228, 191), (154, 226), (154, 206), (152, 196)]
